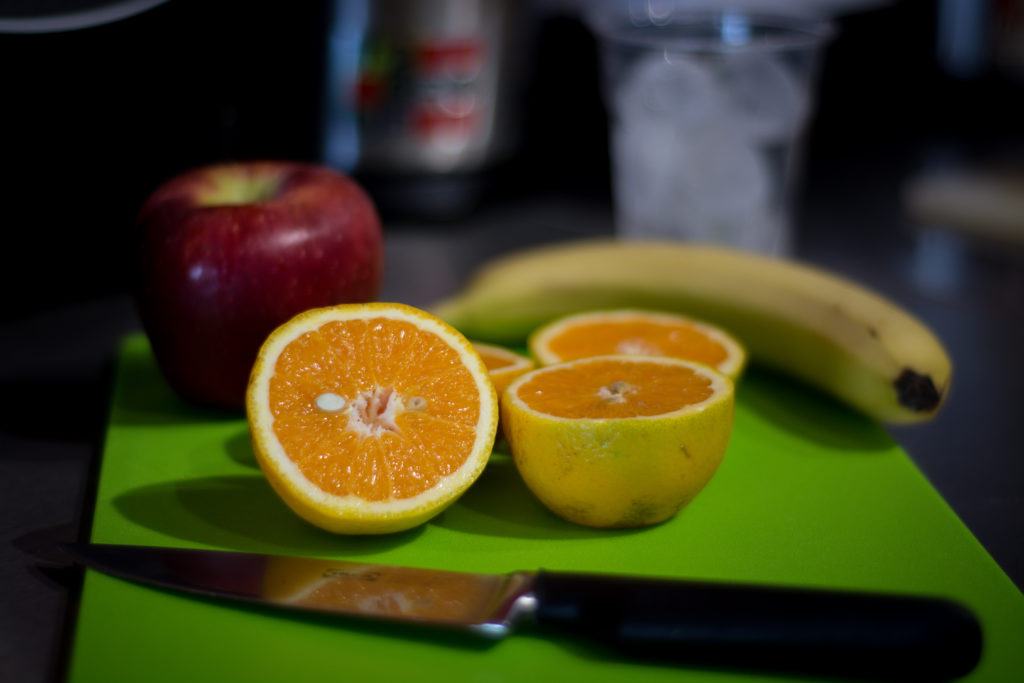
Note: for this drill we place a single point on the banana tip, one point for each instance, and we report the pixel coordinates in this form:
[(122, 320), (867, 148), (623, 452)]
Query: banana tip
[(917, 392)]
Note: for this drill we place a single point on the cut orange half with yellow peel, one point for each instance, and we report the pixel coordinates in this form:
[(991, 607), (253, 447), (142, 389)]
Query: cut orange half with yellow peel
[(503, 364), (637, 332), (370, 418), (618, 441)]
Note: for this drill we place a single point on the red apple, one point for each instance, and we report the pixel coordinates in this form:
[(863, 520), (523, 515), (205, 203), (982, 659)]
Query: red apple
[(231, 251)]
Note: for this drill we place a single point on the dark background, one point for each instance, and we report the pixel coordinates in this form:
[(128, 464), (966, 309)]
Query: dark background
[(94, 119)]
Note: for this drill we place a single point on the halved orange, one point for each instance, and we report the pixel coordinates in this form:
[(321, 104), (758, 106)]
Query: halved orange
[(503, 364), (637, 332), (370, 418), (618, 441)]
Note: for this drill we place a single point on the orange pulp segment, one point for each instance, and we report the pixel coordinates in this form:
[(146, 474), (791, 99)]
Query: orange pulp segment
[(609, 388), (634, 332), (503, 364)]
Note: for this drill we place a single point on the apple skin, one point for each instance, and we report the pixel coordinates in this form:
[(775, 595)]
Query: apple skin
[(229, 252)]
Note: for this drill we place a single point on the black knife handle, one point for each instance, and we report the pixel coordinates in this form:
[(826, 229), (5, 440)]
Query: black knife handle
[(808, 632)]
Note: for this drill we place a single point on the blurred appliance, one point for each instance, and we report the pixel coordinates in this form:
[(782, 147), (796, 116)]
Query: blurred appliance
[(421, 98)]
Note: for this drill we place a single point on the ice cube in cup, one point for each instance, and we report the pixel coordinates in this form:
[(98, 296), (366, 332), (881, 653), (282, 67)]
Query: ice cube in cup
[(764, 96), (667, 87)]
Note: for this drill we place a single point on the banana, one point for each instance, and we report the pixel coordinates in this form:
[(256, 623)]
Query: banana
[(823, 329)]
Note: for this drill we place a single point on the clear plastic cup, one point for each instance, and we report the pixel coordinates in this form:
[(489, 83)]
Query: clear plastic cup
[(708, 114)]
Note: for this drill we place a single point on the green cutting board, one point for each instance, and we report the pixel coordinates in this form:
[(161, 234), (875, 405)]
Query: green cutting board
[(809, 494)]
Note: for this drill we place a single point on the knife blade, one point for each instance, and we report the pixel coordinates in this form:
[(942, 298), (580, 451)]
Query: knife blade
[(699, 623)]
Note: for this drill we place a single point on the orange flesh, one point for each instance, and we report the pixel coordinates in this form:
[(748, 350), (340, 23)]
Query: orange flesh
[(371, 363), (593, 390), (636, 337), (493, 361)]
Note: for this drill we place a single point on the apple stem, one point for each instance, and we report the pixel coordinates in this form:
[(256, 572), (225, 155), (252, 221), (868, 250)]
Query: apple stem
[(232, 189)]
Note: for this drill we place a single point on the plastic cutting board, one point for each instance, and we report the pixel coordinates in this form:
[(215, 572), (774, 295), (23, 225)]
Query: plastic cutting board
[(809, 494)]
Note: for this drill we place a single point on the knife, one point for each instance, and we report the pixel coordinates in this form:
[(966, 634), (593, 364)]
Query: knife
[(738, 626)]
